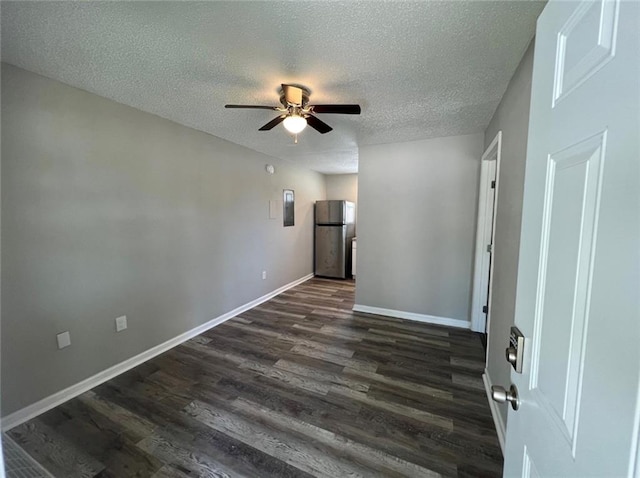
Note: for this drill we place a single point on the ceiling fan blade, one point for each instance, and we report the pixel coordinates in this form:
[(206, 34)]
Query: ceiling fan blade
[(318, 125), (255, 107), (337, 109), (273, 123), (292, 94)]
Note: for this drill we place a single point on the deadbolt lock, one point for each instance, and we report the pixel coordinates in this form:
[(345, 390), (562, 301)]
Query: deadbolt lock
[(515, 351)]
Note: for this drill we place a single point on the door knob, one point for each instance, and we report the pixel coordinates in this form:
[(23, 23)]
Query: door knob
[(500, 395), (512, 355)]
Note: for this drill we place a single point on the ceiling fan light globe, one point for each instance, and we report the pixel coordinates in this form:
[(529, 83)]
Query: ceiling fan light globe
[(294, 124)]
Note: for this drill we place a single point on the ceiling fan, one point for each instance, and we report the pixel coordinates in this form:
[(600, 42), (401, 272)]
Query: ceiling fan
[(297, 113)]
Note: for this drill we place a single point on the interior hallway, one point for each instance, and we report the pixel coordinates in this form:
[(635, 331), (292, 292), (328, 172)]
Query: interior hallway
[(298, 386)]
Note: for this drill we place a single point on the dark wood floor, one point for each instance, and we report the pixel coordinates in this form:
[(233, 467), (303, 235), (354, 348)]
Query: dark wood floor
[(298, 386)]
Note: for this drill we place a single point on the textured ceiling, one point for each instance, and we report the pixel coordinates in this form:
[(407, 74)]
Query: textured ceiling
[(418, 69)]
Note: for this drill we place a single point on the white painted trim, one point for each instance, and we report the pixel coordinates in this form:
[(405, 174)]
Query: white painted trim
[(1, 458), (495, 411), (47, 403), (634, 466), (428, 319), (487, 201)]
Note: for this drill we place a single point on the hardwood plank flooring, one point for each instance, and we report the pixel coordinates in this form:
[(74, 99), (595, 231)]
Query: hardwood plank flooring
[(298, 386)]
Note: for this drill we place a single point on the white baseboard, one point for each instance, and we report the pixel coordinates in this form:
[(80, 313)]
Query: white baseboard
[(495, 411), (428, 319), (47, 403)]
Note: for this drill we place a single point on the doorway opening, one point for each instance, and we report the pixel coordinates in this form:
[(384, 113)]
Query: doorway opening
[(484, 249)]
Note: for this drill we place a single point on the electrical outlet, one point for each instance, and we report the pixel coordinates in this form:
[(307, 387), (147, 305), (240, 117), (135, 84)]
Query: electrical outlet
[(64, 340), (121, 323), (264, 275)]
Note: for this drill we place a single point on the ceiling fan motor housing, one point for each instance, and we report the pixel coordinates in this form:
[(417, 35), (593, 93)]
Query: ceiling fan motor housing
[(305, 93)]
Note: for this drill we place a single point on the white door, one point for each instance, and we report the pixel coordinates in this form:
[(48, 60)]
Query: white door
[(487, 199), (578, 293)]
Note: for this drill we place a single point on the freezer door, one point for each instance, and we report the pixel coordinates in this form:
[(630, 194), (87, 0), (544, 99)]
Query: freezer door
[(331, 251), (330, 212)]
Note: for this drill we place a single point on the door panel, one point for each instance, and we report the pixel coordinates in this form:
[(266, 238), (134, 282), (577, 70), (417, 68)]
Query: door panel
[(570, 213), (585, 43), (577, 297), (529, 469)]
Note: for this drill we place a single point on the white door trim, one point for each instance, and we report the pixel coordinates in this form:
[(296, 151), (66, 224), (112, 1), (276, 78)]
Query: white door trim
[(634, 466), (483, 267)]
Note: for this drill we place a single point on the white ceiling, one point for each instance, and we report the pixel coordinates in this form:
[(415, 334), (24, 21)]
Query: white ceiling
[(418, 69)]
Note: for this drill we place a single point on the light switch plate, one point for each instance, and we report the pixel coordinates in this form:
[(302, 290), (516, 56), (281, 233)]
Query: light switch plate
[(273, 209), (121, 323), (64, 340)]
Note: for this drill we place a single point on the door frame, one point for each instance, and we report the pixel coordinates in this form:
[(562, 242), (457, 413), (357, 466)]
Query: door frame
[(483, 266)]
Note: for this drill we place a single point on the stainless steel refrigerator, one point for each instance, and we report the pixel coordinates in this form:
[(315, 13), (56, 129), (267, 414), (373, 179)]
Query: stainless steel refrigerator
[(335, 228)]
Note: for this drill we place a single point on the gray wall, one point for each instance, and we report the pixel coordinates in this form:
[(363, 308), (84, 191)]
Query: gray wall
[(416, 225), (342, 186), (512, 117), (108, 211)]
